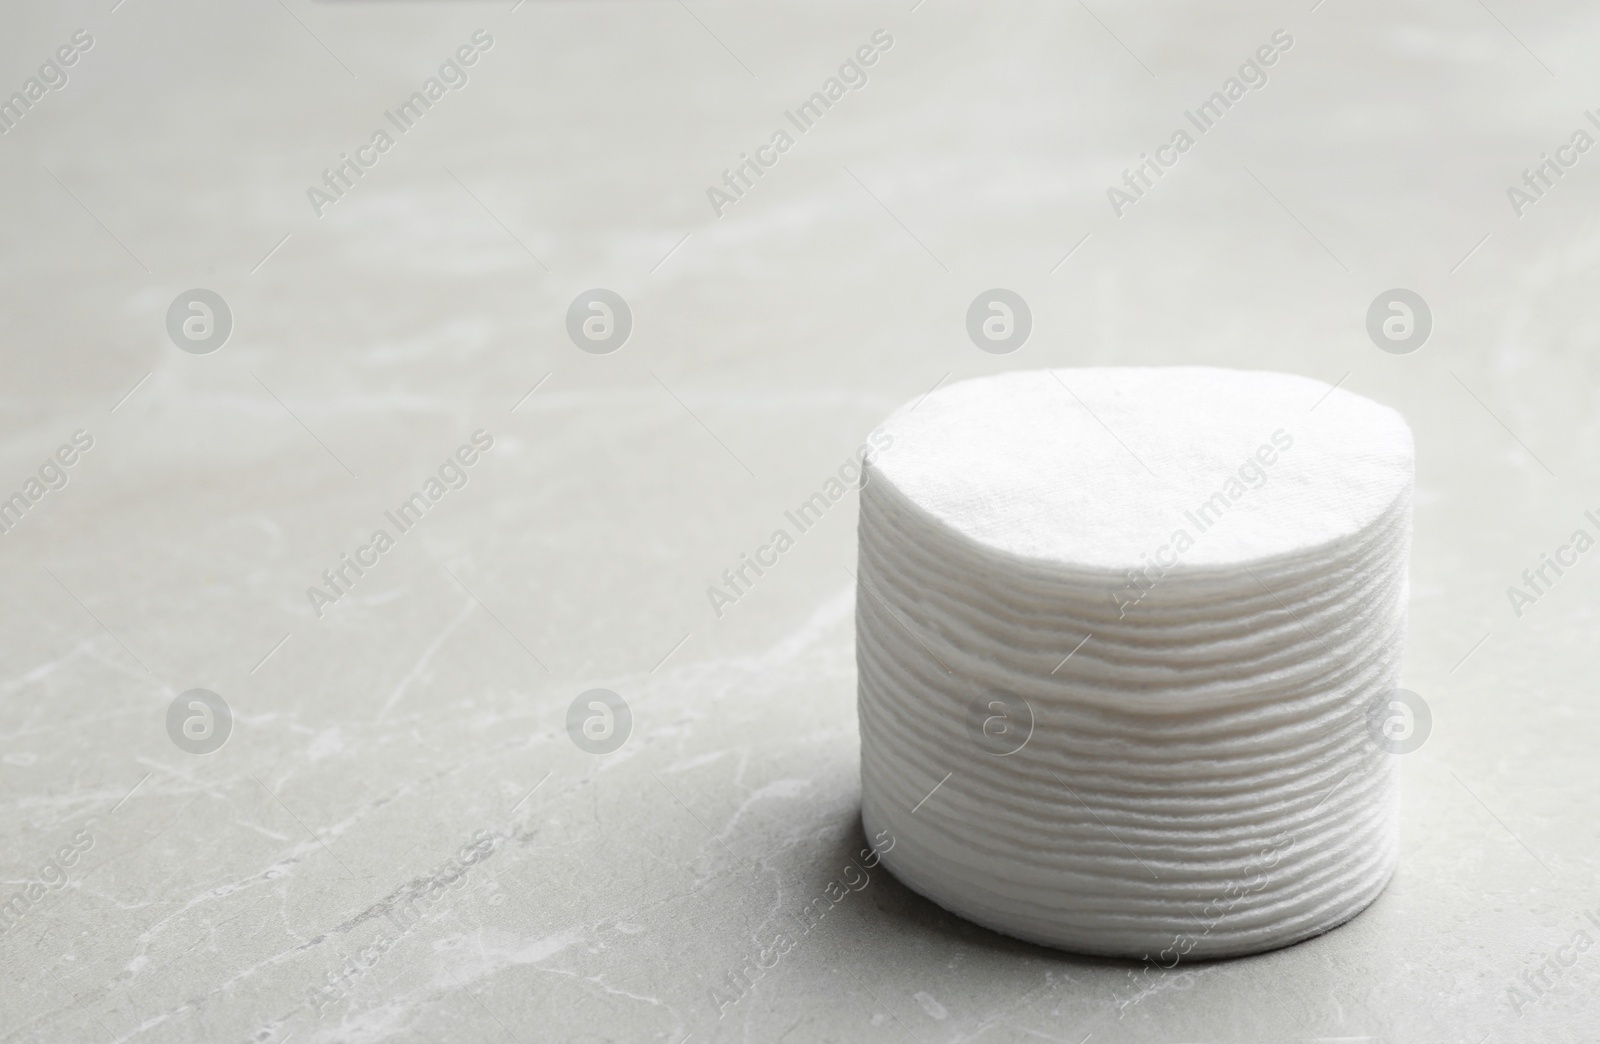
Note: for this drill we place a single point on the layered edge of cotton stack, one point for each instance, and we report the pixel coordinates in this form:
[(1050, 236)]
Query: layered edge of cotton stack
[(1198, 774)]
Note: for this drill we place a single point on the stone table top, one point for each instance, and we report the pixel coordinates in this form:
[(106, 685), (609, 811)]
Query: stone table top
[(394, 210)]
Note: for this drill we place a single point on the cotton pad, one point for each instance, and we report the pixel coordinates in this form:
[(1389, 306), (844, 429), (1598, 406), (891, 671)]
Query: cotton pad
[(1118, 632)]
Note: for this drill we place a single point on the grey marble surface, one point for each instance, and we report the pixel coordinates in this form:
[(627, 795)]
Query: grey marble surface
[(400, 840)]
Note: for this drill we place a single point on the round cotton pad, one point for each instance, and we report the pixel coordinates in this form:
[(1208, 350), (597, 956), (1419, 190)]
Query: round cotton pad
[(1092, 467), (1118, 635)]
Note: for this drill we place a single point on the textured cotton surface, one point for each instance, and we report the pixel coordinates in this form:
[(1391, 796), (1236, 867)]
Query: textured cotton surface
[(1096, 467), (1200, 776)]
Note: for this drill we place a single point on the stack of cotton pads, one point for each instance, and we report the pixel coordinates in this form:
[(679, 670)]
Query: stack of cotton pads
[(1118, 635)]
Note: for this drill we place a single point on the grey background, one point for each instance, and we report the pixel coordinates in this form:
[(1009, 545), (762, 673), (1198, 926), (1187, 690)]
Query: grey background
[(416, 715)]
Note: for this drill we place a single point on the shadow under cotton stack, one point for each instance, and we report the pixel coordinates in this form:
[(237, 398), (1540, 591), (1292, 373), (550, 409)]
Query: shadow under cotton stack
[(1118, 633)]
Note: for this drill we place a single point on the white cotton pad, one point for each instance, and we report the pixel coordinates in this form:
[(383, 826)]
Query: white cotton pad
[(1180, 590)]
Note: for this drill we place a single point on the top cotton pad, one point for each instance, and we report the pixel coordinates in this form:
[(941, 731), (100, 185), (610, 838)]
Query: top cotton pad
[(1096, 467), (1118, 632)]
